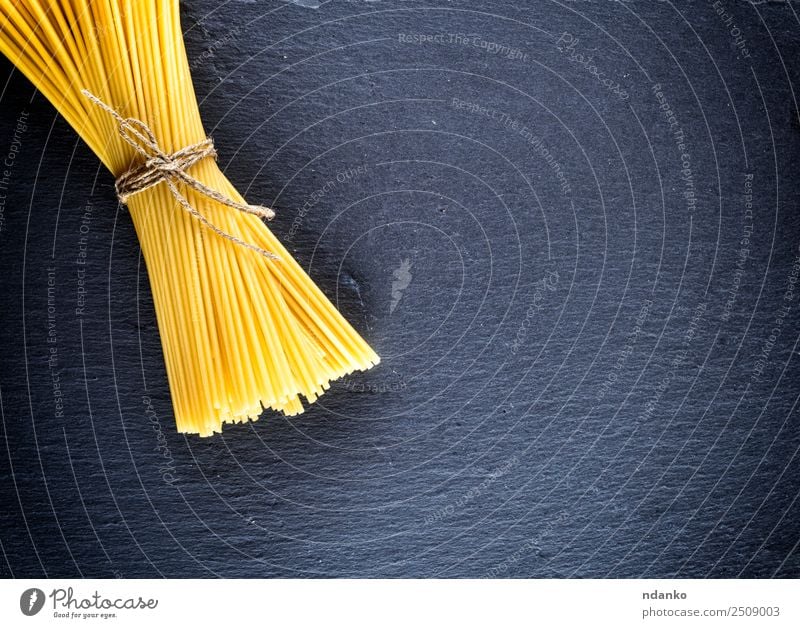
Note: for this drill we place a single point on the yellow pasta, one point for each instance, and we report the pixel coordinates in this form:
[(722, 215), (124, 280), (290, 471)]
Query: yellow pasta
[(240, 331)]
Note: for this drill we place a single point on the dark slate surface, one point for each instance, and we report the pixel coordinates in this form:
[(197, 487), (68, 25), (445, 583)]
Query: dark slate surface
[(578, 378)]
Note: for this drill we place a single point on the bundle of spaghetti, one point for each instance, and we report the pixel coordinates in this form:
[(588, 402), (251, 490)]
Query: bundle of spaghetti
[(241, 331)]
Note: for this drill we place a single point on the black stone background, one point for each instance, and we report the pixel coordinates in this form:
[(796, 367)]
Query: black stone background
[(514, 428)]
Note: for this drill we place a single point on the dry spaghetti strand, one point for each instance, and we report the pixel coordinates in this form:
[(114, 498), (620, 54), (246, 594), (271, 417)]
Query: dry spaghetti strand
[(240, 332)]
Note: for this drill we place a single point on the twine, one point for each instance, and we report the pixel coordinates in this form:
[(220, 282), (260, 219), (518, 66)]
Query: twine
[(171, 168)]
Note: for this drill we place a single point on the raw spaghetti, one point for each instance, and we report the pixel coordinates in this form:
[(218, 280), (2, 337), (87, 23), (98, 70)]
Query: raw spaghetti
[(242, 326)]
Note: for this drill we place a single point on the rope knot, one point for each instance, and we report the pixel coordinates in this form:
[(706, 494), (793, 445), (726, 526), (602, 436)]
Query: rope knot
[(171, 168)]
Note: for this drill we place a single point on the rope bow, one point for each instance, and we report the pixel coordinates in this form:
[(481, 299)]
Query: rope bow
[(170, 168)]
